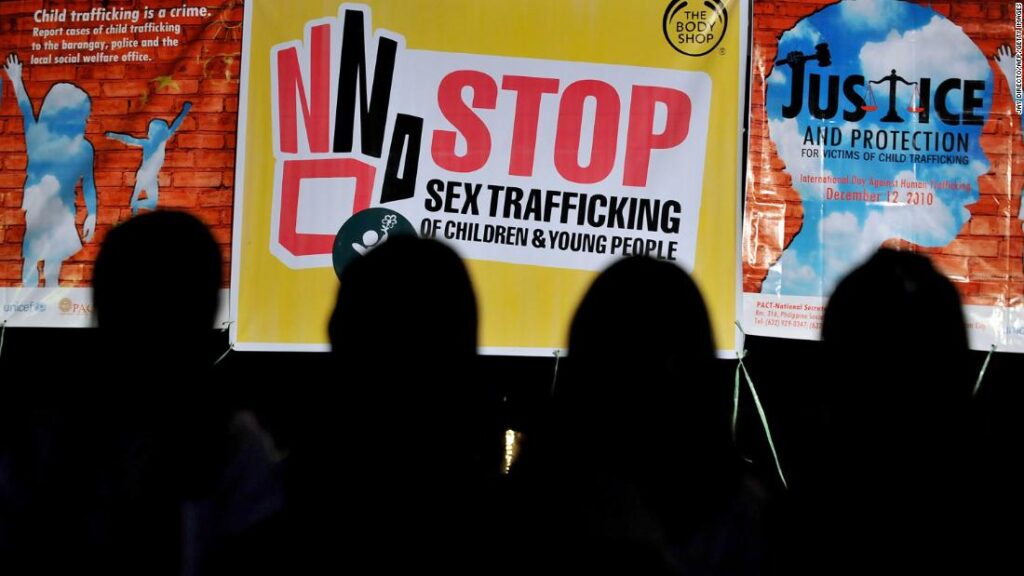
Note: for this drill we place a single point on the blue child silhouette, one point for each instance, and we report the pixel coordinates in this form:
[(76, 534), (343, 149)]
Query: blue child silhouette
[(59, 156), (153, 151)]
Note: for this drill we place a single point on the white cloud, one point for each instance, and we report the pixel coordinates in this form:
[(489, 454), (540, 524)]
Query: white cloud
[(847, 129), (63, 96), (959, 172), (789, 139), (38, 195), (927, 225), (871, 14), (804, 30), (841, 233), (932, 224), (778, 77), (44, 144), (844, 246), (792, 274), (843, 225), (847, 241), (796, 271), (939, 49), (50, 231)]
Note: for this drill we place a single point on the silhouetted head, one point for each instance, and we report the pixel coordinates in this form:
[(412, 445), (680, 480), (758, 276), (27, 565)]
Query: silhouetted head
[(156, 282), (155, 287), (404, 337), (65, 110), (899, 379), (638, 397), (642, 316), (157, 128), (407, 298)]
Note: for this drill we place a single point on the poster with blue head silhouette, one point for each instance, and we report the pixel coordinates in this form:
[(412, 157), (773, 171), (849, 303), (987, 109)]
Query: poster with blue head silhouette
[(108, 110), (884, 123)]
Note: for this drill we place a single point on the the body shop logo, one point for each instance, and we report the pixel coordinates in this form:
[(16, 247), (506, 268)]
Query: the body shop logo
[(695, 28), (69, 306)]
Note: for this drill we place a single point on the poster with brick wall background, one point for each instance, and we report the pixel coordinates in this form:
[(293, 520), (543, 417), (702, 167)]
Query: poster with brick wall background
[(138, 62), (983, 255)]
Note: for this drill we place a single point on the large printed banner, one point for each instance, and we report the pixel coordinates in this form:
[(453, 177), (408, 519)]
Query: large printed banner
[(885, 123), (541, 140), (107, 109)]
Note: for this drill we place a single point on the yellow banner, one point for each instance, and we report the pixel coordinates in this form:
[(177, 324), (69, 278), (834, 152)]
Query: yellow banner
[(541, 140)]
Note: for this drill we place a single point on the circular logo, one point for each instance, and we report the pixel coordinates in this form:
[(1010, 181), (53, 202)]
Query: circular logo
[(364, 231), (695, 27), (65, 305)]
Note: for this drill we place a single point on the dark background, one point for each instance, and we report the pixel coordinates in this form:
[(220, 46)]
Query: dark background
[(39, 368)]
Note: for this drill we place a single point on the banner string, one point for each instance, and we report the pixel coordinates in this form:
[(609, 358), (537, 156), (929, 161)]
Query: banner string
[(741, 368), (736, 410), (225, 354), (554, 378), (3, 332), (984, 367)]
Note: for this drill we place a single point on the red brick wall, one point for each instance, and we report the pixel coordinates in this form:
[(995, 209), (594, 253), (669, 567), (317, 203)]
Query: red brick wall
[(985, 261), (198, 173)]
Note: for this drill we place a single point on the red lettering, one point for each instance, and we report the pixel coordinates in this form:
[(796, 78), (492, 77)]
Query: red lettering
[(465, 121), (641, 139), (315, 110), (529, 91), (570, 127), (295, 171)]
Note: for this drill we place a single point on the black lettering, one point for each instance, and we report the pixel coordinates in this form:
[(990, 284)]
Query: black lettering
[(972, 101), (373, 110), (941, 93), (472, 193), (925, 95), (831, 95), (450, 196), (854, 97), (434, 187), (406, 138), (796, 104)]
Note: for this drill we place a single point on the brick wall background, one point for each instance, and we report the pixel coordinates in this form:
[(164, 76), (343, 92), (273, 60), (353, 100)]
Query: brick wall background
[(198, 173), (985, 261)]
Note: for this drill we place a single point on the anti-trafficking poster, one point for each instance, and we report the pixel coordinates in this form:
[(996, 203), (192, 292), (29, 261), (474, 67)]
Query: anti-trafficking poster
[(540, 140), (884, 123), (108, 109)]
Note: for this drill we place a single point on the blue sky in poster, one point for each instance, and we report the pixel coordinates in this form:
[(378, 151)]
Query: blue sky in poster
[(59, 156), (871, 38)]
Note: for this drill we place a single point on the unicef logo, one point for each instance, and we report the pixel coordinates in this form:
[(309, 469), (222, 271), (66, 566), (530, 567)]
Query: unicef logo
[(364, 231), (695, 28)]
